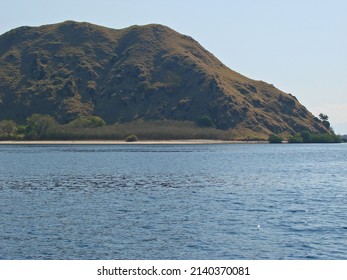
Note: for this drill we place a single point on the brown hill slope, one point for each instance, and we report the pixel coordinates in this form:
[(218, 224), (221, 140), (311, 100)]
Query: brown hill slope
[(142, 72)]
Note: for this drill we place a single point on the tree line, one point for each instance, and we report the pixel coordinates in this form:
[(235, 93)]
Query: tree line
[(307, 137), (45, 127), (41, 127)]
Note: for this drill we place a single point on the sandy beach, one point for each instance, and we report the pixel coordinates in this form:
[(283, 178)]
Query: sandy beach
[(120, 142)]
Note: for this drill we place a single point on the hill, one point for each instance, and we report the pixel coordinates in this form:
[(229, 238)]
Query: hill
[(149, 72)]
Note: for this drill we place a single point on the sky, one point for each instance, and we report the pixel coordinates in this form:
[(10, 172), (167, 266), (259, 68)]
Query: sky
[(300, 46)]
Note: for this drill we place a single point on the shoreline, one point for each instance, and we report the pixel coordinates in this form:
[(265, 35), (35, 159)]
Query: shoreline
[(122, 142)]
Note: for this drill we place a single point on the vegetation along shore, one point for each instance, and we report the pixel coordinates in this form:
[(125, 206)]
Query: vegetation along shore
[(44, 129)]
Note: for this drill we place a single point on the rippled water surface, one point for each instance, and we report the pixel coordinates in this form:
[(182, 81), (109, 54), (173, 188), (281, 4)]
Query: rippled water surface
[(173, 202)]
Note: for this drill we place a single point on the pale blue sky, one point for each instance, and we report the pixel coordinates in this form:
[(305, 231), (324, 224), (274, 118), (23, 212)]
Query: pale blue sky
[(300, 46)]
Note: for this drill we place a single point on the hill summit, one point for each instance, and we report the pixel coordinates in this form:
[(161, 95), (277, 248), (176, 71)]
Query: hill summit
[(149, 72)]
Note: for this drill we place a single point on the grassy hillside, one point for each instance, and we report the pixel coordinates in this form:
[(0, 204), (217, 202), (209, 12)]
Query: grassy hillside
[(147, 73)]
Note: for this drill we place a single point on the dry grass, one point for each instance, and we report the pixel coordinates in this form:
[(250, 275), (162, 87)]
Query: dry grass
[(149, 130)]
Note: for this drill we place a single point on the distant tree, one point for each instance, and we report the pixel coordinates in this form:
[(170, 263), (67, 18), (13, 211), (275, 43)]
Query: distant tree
[(205, 121), (326, 124), (273, 138), (89, 121), (323, 117), (295, 139), (7, 128), (131, 138), (306, 136), (39, 126)]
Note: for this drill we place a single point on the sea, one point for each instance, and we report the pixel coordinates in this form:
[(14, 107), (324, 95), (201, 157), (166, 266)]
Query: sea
[(177, 202)]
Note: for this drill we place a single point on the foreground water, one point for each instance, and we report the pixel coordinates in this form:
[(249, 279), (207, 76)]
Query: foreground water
[(173, 202)]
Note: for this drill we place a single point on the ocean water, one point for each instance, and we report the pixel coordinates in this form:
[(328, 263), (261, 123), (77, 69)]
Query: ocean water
[(237, 201)]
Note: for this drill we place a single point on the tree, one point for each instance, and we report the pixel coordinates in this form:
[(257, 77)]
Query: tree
[(90, 121), (323, 117), (39, 126), (7, 128), (131, 138), (273, 138), (205, 121), (295, 139), (306, 136)]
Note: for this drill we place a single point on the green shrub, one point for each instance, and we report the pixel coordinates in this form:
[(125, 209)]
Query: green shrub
[(274, 139), (205, 121), (131, 138), (326, 124), (8, 128), (295, 139), (307, 137), (325, 138), (89, 121), (40, 126)]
